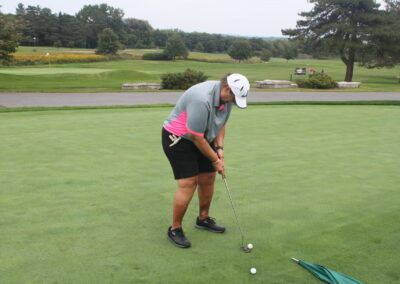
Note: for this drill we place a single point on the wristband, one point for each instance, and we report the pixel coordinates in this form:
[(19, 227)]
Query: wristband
[(219, 147)]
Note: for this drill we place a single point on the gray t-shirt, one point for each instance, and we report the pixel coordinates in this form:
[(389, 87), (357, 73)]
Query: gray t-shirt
[(199, 112)]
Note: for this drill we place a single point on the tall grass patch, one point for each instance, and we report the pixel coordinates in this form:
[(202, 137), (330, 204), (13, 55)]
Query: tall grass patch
[(33, 59)]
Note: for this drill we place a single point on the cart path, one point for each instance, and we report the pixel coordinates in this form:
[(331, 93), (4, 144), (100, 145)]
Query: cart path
[(144, 98)]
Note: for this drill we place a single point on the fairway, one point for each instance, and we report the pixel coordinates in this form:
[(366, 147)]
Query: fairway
[(86, 197), (110, 75)]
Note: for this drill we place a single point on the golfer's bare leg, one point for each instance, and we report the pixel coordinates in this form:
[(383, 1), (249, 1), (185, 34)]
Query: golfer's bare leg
[(183, 196), (205, 192)]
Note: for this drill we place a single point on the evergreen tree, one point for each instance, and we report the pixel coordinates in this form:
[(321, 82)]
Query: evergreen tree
[(70, 31), (346, 26), (40, 26), (384, 46)]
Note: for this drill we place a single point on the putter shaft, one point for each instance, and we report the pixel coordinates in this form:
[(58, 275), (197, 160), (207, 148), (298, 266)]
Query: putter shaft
[(234, 211)]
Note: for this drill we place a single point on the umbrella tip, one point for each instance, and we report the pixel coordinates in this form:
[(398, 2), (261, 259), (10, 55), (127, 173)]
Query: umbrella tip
[(295, 259)]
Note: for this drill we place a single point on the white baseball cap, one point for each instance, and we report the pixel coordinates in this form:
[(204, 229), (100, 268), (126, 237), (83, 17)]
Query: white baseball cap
[(240, 87)]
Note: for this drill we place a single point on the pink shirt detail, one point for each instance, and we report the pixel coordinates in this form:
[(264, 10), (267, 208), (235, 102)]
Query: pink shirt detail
[(178, 126), (221, 107), (195, 133)]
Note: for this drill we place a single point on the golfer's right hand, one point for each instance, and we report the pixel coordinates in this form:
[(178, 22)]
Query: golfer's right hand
[(219, 166)]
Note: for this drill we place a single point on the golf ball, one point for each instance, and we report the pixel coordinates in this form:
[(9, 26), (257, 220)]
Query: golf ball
[(250, 246), (253, 270)]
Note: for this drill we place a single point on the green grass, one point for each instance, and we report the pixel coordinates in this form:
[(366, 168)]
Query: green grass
[(49, 71), (33, 79), (86, 197)]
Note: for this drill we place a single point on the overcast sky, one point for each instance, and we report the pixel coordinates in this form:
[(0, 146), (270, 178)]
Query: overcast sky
[(262, 18)]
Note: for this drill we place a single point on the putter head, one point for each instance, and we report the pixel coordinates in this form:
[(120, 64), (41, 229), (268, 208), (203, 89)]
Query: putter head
[(245, 249)]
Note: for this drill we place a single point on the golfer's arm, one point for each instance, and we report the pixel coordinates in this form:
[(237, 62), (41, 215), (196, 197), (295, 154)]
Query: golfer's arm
[(219, 140), (202, 144)]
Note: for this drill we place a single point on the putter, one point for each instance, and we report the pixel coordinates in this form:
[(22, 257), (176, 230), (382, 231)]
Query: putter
[(243, 247)]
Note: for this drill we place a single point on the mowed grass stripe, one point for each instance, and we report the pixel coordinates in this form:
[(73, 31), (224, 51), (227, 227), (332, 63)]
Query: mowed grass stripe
[(86, 197)]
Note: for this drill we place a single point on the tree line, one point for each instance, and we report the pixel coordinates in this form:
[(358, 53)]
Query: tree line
[(41, 27), (355, 30)]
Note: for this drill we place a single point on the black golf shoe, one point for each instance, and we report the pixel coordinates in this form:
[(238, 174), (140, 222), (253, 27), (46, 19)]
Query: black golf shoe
[(177, 237), (210, 225)]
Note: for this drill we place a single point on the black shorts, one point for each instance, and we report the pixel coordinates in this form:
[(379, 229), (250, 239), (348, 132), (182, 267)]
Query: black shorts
[(185, 158)]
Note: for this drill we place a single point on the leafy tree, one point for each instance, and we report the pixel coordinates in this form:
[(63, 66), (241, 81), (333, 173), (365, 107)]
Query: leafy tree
[(220, 43), (137, 33), (240, 50), (199, 47), (346, 26), (257, 44), (57, 44), (278, 48), (9, 38), (95, 18), (160, 38), (290, 51), (192, 40), (210, 45), (108, 42), (265, 55), (176, 47)]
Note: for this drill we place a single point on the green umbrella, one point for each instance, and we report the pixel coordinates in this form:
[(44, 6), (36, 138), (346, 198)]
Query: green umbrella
[(327, 275)]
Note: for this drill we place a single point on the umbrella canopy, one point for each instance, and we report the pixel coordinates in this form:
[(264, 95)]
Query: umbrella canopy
[(327, 275)]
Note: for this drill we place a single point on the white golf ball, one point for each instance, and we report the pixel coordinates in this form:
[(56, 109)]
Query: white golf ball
[(253, 270), (250, 246)]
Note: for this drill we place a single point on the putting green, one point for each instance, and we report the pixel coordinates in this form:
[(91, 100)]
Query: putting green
[(86, 195), (51, 70)]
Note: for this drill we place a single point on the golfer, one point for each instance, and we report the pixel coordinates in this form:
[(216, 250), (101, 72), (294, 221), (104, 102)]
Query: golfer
[(193, 141)]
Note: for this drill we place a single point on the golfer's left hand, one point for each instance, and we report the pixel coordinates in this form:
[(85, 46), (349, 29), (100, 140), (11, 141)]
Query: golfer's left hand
[(220, 154)]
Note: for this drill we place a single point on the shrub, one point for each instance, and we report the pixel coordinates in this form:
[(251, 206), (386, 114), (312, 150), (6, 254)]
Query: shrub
[(155, 56), (317, 80), (182, 81)]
